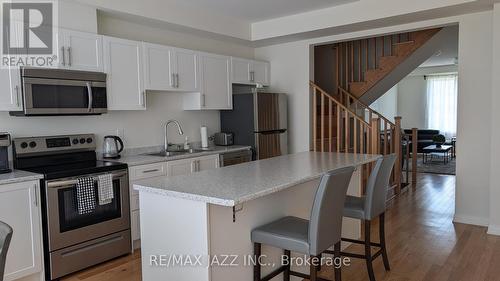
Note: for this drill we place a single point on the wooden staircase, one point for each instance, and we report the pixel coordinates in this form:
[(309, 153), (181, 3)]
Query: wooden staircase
[(363, 63), (344, 124)]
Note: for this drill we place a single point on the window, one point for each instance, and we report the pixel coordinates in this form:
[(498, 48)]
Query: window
[(442, 104)]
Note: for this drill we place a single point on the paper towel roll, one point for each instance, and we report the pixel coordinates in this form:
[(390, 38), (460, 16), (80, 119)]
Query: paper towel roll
[(204, 137)]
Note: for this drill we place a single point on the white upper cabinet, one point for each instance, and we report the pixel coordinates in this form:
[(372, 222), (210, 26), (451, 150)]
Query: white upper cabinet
[(24, 257), (158, 70), (170, 69), (215, 84), (10, 95), (124, 68), (260, 72), (80, 50), (185, 63), (250, 72)]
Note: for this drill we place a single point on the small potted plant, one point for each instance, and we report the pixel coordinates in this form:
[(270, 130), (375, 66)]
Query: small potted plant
[(439, 140)]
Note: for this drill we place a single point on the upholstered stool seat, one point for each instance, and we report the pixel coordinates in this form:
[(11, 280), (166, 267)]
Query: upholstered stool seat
[(311, 237)]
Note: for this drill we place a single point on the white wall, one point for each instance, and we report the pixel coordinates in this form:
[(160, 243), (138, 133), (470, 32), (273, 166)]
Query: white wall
[(141, 128), (387, 104), (412, 102), (494, 227), (474, 119), (290, 73), (114, 26)]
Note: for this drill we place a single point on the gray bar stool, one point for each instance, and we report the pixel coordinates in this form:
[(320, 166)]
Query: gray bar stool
[(369, 207), (5, 236), (311, 237)]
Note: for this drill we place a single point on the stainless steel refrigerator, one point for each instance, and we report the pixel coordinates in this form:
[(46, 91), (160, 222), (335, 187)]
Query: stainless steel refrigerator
[(258, 120)]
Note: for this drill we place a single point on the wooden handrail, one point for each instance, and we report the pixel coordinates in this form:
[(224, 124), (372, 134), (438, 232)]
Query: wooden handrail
[(316, 87), (366, 106), (353, 134)]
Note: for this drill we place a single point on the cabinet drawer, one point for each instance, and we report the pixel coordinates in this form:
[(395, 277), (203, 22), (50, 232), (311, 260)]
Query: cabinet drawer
[(147, 171)]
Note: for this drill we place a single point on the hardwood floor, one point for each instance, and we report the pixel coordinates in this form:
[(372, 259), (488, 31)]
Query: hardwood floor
[(423, 243)]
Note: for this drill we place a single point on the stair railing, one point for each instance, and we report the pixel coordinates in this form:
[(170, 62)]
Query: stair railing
[(339, 127)]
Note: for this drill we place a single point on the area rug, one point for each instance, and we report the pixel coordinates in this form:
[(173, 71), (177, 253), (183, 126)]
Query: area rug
[(436, 166)]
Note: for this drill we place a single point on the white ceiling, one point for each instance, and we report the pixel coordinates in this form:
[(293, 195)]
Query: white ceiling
[(258, 10)]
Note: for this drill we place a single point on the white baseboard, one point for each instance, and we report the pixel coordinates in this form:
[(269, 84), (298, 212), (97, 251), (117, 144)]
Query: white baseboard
[(472, 220), (494, 230)]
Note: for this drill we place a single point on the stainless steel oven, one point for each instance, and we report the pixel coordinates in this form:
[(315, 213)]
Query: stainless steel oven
[(62, 92), (72, 239), (77, 241)]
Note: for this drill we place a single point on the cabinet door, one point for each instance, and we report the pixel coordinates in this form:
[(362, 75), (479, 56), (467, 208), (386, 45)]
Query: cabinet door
[(240, 71), (186, 69), (260, 72), (207, 163), (158, 67), (216, 90), (124, 67), (180, 167), (83, 50), (10, 94), (135, 225), (24, 257)]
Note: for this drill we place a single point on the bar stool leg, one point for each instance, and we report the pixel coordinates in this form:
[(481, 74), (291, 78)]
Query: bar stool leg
[(318, 268), (338, 271), (256, 268), (382, 242), (314, 272), (368, 251), (286, 273)]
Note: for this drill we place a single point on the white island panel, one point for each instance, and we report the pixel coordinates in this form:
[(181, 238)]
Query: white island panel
[(192, 216)]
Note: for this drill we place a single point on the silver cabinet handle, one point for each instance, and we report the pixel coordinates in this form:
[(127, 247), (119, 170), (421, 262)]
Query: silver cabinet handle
[(177, 80), (70, 60), (252, 75), (172, 81), (198, 165), (36, 194), (150, 171), (18, 99), (89, 96), (203, 99), (143, 98), (63, 56)]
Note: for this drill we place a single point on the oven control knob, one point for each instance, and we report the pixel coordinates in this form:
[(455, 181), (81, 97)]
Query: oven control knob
[(82, 140), (24, 144), (89, 140), (75, 141), (32, 144)]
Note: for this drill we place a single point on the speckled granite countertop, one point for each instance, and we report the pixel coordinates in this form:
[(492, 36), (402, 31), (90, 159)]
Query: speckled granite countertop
[(232, 185), (141, 159), (18, 176)]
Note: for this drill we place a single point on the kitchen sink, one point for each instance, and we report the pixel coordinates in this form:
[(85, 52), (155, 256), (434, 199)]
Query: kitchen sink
[(177, 152)]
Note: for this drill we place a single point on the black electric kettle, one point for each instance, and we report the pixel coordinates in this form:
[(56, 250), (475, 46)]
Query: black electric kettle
[(112, 147)]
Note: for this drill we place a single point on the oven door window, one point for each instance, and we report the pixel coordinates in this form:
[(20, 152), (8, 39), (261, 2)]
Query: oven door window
[(69, 218)]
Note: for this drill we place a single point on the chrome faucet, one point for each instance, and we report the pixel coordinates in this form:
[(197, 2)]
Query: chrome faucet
[(166, 128)]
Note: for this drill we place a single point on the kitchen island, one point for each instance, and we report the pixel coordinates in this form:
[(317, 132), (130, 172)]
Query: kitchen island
[(197, 227)]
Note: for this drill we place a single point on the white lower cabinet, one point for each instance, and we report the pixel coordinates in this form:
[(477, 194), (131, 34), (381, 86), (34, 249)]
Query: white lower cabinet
[(20, 208), (137, 173), (170, 168)]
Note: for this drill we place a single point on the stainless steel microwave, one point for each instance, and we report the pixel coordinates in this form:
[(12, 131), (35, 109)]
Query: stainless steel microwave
[(62, 92)]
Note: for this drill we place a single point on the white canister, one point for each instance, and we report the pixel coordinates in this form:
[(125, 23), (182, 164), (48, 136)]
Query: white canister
[(204, 137)]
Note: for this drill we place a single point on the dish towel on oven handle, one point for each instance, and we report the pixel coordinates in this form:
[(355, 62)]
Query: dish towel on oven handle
[(105, 189), (85, 195)]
